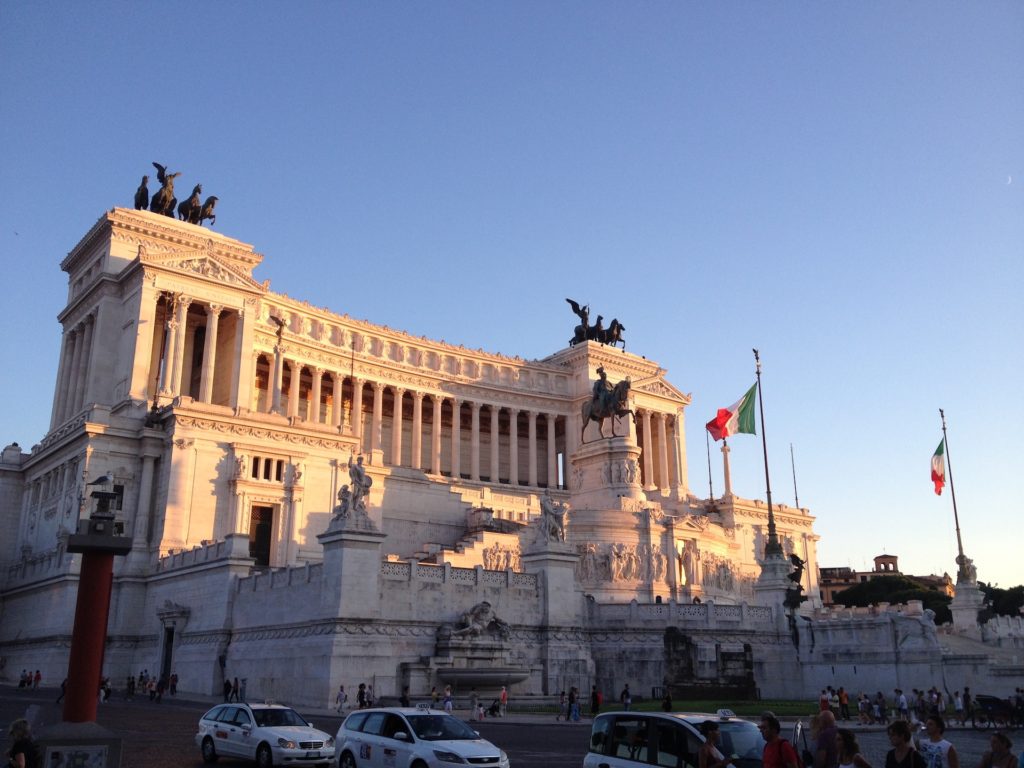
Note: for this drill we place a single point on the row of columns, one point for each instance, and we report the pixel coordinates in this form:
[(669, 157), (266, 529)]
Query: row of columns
[(662, 450), (173, 371), (73, 370)]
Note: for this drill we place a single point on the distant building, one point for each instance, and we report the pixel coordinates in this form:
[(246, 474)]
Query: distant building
[(832, 581)]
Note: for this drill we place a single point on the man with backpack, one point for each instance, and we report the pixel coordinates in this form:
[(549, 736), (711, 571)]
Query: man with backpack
[(778, 753)]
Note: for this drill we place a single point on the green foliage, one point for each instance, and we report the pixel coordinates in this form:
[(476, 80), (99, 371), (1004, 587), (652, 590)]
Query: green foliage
[(896, 589), (1003, 602)]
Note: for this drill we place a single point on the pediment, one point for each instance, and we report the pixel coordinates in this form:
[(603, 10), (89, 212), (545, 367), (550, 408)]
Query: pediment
[(658, 386), (203, 263)]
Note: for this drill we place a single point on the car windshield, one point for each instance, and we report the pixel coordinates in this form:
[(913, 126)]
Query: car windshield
[(742, 742), (440, 728), (275, 718)]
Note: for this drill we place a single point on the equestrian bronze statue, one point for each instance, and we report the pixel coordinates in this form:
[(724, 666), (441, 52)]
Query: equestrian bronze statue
[(606, 402), (193, 210), (611, 335)]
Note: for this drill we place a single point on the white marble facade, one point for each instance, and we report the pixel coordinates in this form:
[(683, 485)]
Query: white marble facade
[(227, 415)]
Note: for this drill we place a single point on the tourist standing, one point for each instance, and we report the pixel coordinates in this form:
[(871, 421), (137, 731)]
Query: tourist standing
[(999, 756), (936, 750), (563, 708), (849, 751), (24, 753), (361, 696), (902, 707), (778, 753), (474, 703), (710, 756), (36, 680), (227, 690), (958, 707), (435, 697), (826, 751), (626, 698), (666, 700), (404, 701), (234, 690), (574, 704), (503, 701), (902, 754), (173, 684), (340, 699), (844, 703), (448, 702)]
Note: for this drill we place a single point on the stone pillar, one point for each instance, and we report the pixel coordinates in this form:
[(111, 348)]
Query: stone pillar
[(726, 474), (278, 383), (357, 407), (337, 404), (81, 367), (85, 380), (62, 406), (351, 570), (456, 464), (513, 446), (243, 370), (417, 430), (531, 448), (396, 427), (679, 443), (474, 442), (178, 369), (552, 451), (293, 388), (209, 352), (435, 436), (648, 452), (143, 306), (378, 416), (495, 440), (170, 333), (62, 366), (314, 404), (663, 481)]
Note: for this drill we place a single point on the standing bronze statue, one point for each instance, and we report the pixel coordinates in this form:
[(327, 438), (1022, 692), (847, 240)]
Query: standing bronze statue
[(163, 202), (142, 195), (581, 330)]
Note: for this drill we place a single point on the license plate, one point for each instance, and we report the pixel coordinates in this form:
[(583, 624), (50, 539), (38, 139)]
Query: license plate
[(312, 755)]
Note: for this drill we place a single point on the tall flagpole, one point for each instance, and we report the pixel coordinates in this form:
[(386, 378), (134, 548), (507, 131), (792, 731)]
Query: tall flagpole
[(772, 547), (960, 560), (711, 488), (792, 463)]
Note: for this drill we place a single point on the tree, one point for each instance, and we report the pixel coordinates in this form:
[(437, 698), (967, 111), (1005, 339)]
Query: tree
[(896, 589), (1002, 602)]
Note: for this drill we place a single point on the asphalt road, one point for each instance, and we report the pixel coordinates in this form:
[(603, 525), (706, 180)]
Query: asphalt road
[(161, 735)]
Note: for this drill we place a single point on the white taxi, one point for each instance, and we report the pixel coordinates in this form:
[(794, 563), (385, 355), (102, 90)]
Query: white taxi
[(269, 734)]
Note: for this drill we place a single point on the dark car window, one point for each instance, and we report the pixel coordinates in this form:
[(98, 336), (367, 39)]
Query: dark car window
[(277, 718), (374, 723), (215, 713), (600, 734), (435, 727), (741, 742), (671, 745), (355, 721), (242, 717), (629, 738), (393, 725), (227, 715)]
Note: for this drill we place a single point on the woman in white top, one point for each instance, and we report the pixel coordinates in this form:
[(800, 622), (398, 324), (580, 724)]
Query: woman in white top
[(710, 756), (849, 751)]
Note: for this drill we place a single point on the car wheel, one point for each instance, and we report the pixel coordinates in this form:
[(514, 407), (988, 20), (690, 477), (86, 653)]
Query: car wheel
[(209, 751), (346, 760), (419, 764), (264, 757)]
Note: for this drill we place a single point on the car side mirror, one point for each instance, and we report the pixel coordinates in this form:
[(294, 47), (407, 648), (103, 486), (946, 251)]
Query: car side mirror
[(401, 736)]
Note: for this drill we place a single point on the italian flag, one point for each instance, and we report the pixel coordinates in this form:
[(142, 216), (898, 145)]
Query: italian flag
[(939, 467), (738, 418)]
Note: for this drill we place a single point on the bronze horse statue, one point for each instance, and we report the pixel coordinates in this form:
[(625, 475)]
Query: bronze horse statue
[(206, 212), (164, 201), (612, 335), (611, 405), (189, 210)]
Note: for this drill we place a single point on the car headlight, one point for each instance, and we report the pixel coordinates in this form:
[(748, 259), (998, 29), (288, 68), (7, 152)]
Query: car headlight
[(448, 757), (504, 757), (330, 741), (286, 744)]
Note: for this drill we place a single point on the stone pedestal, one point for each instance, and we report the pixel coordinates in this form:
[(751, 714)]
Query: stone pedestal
[(352, 560), (556, 564), (965, 605), (772, 584), (605, 471)]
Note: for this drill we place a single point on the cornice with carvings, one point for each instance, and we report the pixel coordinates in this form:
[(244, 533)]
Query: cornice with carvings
[(251, 431)]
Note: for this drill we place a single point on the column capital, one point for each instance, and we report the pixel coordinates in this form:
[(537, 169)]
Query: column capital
[(214, 309), (475, 405), (378, 386), (438, 399), (418, 395)]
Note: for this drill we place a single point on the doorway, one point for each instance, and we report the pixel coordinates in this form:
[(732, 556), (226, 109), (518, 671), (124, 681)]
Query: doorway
[(165, 662), (261, 527)]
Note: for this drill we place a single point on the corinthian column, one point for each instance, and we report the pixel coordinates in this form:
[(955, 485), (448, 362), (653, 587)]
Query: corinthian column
[(293, 388), (531, 440), (552, 451), (648, 452), (396, 428), (435, 437), (337, 406), (357, 408), (209, 352), (278, 382), (495, 439), (378, 415), (474, 442), (314, 404), (456, 439), (178, 368), (663, 451), (513, 446), (417, 430)]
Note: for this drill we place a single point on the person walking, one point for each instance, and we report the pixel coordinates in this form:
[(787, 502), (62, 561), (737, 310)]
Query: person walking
[(595, 701), (340, 699), (626, 698), (902, 754), (503, 701), (849, 750), (937, 751), (778, 753), (448, 701), (999, 756), (710, 756)]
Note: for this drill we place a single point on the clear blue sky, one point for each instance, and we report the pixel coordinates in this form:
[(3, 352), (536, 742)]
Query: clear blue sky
[(838, 184)]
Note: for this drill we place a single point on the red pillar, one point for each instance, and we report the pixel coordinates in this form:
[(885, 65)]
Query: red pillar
[(85, 664)]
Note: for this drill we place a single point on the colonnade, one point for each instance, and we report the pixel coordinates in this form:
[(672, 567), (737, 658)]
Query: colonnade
[(662, 451), (177, 342), (73, 370)]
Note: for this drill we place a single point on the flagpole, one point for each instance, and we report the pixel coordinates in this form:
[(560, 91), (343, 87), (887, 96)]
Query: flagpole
[(772, 547), (792, 463), (960, 560), (711, 488)]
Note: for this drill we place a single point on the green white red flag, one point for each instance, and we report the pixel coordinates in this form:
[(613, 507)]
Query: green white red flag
[(939, 467), (738, 418)]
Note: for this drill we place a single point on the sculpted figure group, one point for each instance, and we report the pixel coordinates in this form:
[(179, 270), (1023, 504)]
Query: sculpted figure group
[(192, 210), (611, 335), (351, 508)]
